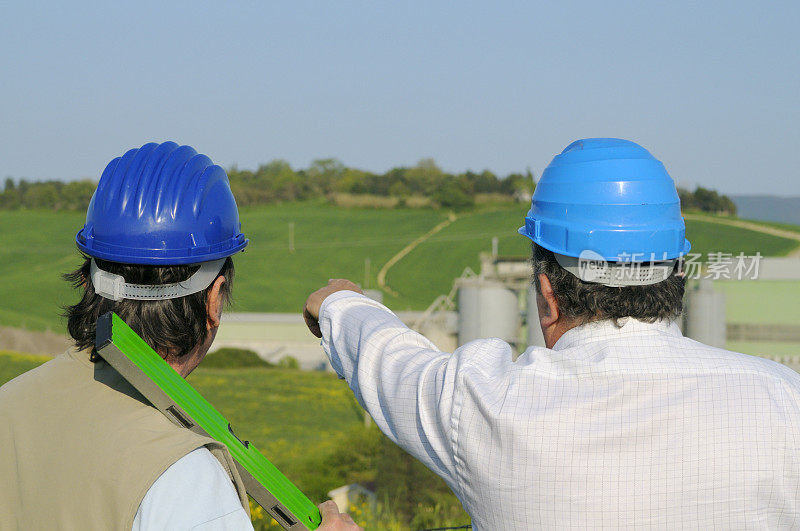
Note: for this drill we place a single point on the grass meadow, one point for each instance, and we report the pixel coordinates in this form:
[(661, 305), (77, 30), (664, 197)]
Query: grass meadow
[(709, 237), (784, 226), (328, 241)]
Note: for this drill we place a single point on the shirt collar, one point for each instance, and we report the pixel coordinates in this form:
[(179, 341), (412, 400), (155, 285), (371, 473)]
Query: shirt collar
[(607, 329)]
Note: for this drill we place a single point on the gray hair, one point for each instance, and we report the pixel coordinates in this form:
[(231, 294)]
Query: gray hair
[(589, 301)]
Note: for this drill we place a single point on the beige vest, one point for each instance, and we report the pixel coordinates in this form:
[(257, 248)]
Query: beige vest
[(80, 447)]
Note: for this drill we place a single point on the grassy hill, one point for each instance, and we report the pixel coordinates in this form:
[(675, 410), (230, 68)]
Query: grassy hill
[(38, 246), (328, 242), (784, 226), (708, 236)]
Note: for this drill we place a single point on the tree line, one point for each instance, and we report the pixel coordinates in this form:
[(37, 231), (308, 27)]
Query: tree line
[(52, 195), (277, 181), (707, 201)]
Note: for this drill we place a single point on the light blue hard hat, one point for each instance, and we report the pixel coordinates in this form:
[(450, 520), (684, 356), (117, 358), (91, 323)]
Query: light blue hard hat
[(610, 197), (162, 204)]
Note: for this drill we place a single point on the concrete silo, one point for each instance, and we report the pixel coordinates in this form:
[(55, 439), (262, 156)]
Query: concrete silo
[(535, 337), (486, 308), (705, 314)]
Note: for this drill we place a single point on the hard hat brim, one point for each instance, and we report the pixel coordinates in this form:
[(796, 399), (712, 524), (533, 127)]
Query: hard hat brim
[(130, 255)]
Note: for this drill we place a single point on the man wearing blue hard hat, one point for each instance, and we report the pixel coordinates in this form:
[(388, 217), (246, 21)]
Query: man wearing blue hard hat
[(81, 448), (620, 421)]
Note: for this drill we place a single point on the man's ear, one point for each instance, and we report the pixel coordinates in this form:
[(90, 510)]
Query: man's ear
[(214, 303), (548, 307)]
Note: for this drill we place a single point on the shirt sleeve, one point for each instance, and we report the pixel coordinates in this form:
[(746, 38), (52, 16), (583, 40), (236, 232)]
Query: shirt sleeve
[(405, 383), (194, 493)]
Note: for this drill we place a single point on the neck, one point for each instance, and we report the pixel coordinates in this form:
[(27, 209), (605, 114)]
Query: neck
[(189, 362), (554, 332)]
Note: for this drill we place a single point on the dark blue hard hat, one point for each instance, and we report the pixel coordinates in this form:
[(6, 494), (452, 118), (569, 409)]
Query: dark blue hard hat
[(611, 197), (162, 204)]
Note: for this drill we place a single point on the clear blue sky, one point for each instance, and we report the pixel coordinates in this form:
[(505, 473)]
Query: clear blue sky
[(711, 88)]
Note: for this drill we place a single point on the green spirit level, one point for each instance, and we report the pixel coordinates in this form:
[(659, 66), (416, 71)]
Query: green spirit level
[(174, 397)]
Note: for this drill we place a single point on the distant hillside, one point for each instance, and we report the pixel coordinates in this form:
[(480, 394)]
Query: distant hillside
[(326, 242), (768, 208)]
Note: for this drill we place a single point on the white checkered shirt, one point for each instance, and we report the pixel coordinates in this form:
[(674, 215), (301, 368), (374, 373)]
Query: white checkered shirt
[(631, 427)]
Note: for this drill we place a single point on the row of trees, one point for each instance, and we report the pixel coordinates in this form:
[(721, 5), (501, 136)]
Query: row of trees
[(52, 195), (707, 201), (279, 182)]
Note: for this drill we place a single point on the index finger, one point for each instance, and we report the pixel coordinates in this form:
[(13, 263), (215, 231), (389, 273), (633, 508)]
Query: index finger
[(328, 508), (312, 323)]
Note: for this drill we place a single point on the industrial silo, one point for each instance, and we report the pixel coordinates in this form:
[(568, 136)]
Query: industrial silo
[(486, 308), (535, 337), (705, 314)]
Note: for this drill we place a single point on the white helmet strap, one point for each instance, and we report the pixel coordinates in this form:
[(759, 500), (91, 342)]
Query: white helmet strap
[(591, 268), (114, 287)]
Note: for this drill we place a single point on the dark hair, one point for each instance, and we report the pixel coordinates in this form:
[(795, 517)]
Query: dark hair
[(172, 327), (589, 301)]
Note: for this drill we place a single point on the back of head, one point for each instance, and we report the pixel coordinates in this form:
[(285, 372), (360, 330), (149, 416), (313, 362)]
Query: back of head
[(607, 231), (160, 228)]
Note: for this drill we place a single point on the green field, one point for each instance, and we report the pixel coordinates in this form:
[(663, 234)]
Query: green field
[(283, 412), (707, 237), (38, 246), (330, 242), (777, 225)]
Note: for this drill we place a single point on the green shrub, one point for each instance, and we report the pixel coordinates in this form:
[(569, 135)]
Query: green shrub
[(410, 496), (352, 459), (288, 362), (454, 194), (234, 358), (419, 497)]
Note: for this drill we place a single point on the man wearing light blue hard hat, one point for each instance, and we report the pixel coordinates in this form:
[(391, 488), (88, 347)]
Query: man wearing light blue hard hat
[(81, 448), (619, 421)]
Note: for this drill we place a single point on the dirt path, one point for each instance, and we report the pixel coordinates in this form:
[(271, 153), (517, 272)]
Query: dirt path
[(749, 225), (407, 249)]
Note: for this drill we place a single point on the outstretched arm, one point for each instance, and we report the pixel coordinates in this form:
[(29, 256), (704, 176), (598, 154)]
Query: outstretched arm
[(404, 382)]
